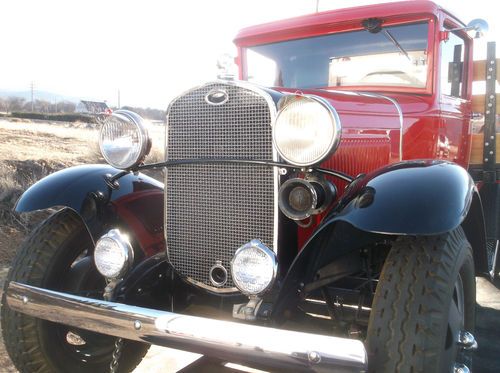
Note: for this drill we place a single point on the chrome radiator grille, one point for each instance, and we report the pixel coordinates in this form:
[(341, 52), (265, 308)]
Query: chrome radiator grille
[(213, 209)]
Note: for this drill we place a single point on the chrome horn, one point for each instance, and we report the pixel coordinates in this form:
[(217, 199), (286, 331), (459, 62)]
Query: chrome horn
[(300, 198)]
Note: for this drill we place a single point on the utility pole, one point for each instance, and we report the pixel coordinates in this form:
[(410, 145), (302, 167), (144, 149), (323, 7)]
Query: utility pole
[(32, 102), (317, 6), (119, 99)]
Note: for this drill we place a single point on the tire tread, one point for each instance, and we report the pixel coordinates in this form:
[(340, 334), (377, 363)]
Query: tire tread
[(30, 266), (405, 331)]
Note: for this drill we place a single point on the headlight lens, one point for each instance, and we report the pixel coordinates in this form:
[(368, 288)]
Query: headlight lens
[(254, 268), (307, 130), (124, 139), (113, 254)]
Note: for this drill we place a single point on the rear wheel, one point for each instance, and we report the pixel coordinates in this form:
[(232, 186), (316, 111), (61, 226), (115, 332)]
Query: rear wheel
[(424, 304), (57, 256)]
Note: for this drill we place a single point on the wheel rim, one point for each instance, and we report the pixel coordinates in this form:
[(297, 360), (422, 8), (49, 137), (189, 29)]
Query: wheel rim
[(79, 278)]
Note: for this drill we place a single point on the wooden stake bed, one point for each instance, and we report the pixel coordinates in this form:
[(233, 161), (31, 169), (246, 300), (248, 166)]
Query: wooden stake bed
[(476, 155), (485, 143)]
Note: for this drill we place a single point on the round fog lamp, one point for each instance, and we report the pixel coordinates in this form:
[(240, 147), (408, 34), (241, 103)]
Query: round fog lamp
[(113, 254), (254, 268)]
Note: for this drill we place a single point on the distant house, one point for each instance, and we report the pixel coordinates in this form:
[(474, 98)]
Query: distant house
[(92, 107)]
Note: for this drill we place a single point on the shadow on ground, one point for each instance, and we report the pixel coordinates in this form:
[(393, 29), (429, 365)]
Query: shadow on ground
[(487, 357)]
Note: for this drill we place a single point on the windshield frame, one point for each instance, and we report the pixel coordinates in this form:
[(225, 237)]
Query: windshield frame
[(329, 29)]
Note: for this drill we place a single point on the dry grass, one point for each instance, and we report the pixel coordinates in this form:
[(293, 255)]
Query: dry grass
[(31, 150), (63, 142)]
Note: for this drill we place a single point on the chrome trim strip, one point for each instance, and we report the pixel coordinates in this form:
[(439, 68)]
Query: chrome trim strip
[(229, 340), (494, 261), (211, 288), (400, 112), (273, 112), (394, 102)]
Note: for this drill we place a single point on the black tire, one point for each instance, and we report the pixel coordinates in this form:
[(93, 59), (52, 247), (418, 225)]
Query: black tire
[(47, 259), (414, 321)]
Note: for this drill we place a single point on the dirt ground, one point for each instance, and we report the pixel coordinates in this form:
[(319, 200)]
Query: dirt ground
[(31, 150)]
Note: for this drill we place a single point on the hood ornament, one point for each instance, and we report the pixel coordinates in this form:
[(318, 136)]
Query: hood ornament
[(216, 97)]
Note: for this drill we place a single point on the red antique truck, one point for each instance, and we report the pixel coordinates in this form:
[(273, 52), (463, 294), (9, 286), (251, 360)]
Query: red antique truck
[(328, 211)]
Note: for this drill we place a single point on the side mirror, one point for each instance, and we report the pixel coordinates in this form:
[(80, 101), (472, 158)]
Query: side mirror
[(480, 26)]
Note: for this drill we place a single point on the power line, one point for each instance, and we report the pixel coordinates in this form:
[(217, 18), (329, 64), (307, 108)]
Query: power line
[(32, 86)]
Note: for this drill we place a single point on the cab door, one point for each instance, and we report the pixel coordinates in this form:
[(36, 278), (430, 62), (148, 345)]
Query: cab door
[(453, 141)]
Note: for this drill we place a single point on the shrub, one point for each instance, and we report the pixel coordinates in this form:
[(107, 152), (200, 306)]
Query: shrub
[(65, 117)]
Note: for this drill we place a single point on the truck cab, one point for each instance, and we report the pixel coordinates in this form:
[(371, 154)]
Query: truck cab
[(324, 212), (416, 53), (399, 74)]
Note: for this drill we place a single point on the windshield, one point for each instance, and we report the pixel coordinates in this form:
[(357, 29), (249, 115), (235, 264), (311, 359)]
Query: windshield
[(395, 56)]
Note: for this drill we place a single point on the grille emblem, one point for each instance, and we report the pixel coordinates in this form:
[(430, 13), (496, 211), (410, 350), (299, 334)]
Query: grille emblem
[(216, 97)]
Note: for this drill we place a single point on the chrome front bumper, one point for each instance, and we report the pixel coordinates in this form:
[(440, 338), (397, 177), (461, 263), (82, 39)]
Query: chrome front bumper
[(235, 342)]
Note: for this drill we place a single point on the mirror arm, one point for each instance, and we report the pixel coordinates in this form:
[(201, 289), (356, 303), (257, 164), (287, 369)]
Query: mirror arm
[(467, 28)]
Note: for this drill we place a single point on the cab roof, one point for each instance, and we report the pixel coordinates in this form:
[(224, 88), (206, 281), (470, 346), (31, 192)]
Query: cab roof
[(247, 36)]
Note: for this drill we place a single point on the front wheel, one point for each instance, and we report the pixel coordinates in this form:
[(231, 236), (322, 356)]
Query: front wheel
[(423, 306), (57, 256)]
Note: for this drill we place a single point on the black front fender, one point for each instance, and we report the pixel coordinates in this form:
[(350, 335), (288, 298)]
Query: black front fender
[(72, 187), (409, 198)]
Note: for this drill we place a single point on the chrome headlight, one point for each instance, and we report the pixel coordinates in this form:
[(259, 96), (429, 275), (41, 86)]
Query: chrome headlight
[(124, 139), (254, 268), (113, 254), (307, 130)]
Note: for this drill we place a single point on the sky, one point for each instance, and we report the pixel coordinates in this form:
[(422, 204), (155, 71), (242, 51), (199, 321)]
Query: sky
[(151, 51)]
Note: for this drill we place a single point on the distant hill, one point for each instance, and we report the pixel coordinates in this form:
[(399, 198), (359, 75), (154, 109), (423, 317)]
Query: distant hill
[(38, 95)]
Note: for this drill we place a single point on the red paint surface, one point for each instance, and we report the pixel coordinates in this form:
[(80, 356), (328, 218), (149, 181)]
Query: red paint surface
[(435, 126), (142, 211)]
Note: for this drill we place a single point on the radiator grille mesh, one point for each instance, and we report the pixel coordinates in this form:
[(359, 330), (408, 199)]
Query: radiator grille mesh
[(211, 210)]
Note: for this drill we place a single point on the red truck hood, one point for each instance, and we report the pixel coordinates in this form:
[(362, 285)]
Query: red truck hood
[(355, 107), (373, 127), (371, 130)]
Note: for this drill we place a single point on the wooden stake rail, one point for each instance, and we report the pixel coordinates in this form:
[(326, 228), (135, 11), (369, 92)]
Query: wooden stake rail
[(479, 70), (485, 144)]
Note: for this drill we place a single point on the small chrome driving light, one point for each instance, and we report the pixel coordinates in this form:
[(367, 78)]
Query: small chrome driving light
[(124, 140), (113, 254), (254, 268), (306, 130)]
